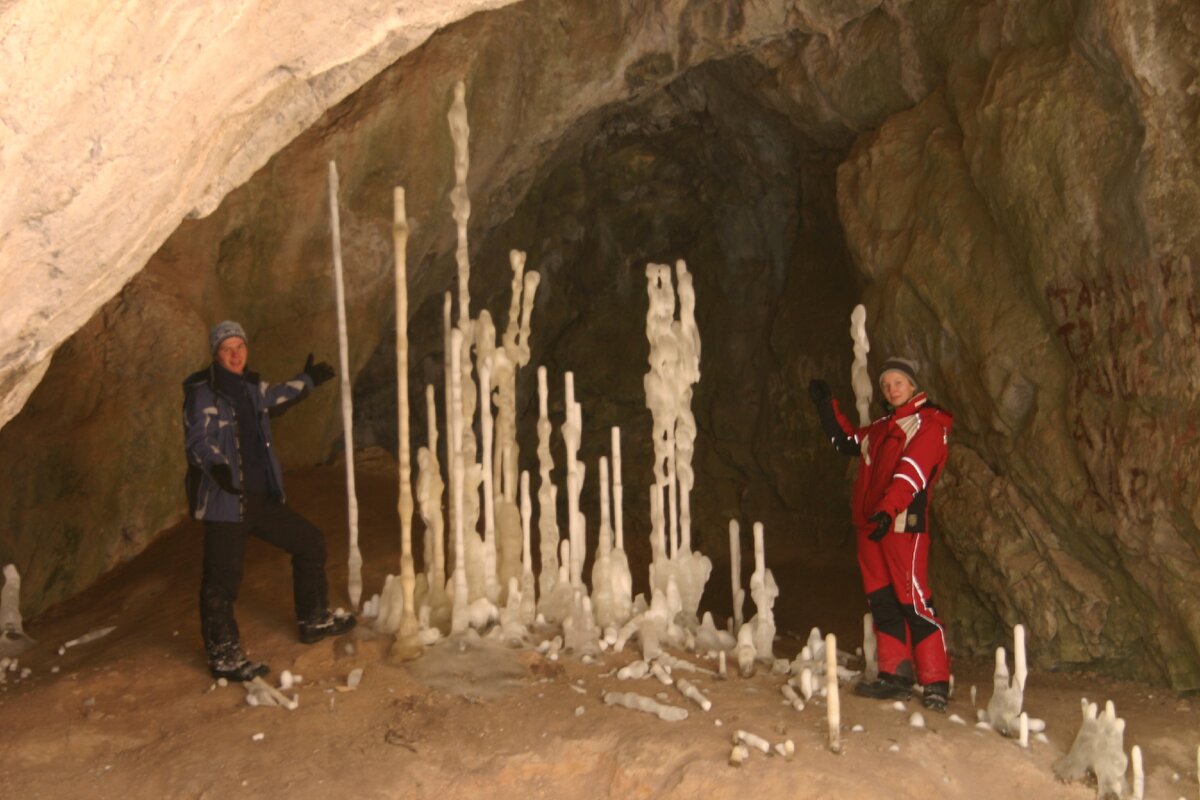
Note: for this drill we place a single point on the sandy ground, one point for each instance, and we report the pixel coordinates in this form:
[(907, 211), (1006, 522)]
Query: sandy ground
[(135, 714)]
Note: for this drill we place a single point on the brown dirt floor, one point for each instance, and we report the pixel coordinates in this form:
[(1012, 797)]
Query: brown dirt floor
[(135, 715)]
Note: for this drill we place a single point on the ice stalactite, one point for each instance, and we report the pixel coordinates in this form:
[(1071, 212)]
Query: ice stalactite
[(548, 536), (13, 640), (1098, 750), (354, 558), (860, 380)]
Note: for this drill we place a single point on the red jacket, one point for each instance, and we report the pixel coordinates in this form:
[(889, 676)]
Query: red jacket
[(903, 455)]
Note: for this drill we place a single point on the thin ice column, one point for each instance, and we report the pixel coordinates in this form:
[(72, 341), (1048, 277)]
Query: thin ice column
[(354, 559), (406, 637)]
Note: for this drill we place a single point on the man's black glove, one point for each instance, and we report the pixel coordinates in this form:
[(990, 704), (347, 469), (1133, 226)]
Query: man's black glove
[(819, 391), (223, 475), (883, 522), (319, 372)]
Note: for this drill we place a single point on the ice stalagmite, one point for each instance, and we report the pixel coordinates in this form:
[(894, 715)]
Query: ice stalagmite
[(13, 640), (860, 381), (547, 523), (602, 590), (1004, 708), (447, 327), (430, 489), (619, 574), (763, 591), (509, 358), (407, 644), (687, 375), (487, 561), (528, 585), (1098, 749), (571, 432), (459, 619), (832, 701), (870, 646), (354, 558), (735, 573), (659, 395)]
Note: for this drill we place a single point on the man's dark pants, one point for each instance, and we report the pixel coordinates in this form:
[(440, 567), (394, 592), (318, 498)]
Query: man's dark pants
[(224, 554)]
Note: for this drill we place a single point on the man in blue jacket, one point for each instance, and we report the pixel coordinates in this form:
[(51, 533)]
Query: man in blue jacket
[(235, 486)]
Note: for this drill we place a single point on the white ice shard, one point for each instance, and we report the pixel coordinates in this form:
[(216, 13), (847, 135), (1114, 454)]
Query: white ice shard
[(752, 740), (790, 695), (547, 498), (832, 701), (619, 575), (602, 588)]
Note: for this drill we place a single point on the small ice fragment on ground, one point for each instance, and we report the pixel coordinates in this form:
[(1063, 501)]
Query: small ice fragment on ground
[(983, 726), (578, 689), (898, 706), (738, 755), (787, 749), (90, 636), (286, 680), (917, 720), (895, 748), (1041, 737), (54, 670), (957, 719), (752, 740), (717, 723), (579, 711), (26, 672), (353, 679), (857, 729), (258, 737)]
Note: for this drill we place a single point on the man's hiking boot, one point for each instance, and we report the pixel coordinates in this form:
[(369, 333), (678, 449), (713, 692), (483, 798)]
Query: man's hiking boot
[(325, 625), (885, 687), (231, 662), (937, 696)]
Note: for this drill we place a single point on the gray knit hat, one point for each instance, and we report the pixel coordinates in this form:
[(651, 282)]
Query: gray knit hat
[(222, 331), (905, 366)]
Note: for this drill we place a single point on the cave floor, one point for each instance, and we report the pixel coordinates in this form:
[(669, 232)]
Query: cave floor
[(134, 714)]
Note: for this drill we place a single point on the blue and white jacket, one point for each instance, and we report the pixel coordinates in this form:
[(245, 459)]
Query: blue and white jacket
[(211, 437)]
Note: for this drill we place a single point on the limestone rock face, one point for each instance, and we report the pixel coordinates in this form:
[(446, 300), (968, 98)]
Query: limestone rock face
[(118, 122), (1011, 190), (1023, 231)]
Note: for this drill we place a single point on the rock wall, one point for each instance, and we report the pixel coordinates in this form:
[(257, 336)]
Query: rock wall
[(1015, 194)]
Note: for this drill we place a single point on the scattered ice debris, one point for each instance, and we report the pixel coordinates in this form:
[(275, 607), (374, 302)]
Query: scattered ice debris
[(579, 710), (1098, 749), (1139, 776), (857, 729), (578, 689), (790, 695), (638, 702), (258, 737), (956, 719), (222, 682), (660, 672), (917, 720), (692, 693), (898, 705), (286, 680), (90, 636), (261, 693), (354, 678), (895, 748), (636, 670), (752, 740), (786, 749), (738, 755)]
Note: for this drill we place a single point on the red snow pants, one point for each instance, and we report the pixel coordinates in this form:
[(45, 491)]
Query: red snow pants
[(907, 629)]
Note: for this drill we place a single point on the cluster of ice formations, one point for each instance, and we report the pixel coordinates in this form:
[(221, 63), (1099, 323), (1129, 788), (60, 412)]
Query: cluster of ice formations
[(13, 640), (1098, 751)]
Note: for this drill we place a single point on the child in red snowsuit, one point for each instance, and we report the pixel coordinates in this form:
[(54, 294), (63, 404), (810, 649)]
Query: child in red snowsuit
[(903, 454)]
